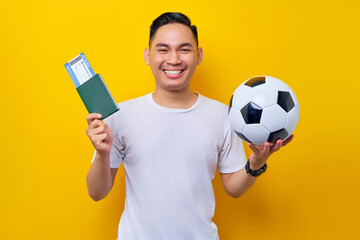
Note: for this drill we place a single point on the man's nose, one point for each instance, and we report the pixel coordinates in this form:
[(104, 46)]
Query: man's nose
[(174, 58)]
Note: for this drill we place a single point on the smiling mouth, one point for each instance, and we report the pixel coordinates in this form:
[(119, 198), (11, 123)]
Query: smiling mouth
[(174, 73)]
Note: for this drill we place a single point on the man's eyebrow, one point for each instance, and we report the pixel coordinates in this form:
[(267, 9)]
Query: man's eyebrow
[(181, 45), (161, 45), (186, 45)]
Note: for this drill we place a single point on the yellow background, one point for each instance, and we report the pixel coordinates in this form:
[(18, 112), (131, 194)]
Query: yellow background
[(311, 189)]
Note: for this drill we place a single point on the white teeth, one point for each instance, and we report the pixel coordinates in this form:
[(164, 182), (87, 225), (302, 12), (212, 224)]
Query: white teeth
[(172, 72)]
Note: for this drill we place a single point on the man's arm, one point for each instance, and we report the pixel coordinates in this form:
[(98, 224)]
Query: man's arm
[(237, 183), (100, 177)]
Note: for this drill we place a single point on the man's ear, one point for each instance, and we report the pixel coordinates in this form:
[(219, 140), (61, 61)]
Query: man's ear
[(199, 55), (146, 56)]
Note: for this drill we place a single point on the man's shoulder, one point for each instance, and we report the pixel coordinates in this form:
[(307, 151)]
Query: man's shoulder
[(128, 108), (134, 101), (214, 104)]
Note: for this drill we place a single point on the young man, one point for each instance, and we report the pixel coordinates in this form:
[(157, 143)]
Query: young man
[(170, 141)]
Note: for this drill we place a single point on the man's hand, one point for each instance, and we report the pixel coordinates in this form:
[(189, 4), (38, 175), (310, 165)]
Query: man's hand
[(101, 177), (237, 183), (99, 134), (261, 153)]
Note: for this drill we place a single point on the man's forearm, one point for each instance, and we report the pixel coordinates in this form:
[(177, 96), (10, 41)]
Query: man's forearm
[(99, 180), (238, 183)]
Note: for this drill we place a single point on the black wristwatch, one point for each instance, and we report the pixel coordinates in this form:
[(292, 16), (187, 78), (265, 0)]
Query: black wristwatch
[(255, 173)]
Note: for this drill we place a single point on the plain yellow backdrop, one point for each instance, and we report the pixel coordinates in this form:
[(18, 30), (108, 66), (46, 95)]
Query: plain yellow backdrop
[(311, 188)]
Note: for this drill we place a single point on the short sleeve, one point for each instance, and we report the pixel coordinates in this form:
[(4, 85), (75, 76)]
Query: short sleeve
[(232, 154), (117, 148)]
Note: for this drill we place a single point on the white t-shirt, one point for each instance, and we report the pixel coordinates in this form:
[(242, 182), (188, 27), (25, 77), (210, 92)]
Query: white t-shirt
[(170, 157)]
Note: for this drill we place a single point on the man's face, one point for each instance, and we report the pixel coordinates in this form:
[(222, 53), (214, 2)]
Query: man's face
[(173, 56)]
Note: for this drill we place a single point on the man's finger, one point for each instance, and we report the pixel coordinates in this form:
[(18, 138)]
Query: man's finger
[(253, 148), (96, 123), (92, 116), (277, 146), (99, 129), (289, 139), (266, 148), (98, 139)]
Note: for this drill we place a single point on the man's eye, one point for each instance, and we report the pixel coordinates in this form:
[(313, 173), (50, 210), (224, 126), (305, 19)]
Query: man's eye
[(162, 50), (185, 50)]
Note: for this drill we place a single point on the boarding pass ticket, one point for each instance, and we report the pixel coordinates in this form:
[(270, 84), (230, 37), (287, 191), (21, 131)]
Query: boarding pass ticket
[(79, 69)]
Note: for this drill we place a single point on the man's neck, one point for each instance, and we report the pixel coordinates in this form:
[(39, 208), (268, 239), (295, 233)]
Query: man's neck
[(175, 99)]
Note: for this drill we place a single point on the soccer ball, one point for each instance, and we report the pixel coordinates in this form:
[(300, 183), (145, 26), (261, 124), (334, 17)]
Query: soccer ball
[(263, 109)]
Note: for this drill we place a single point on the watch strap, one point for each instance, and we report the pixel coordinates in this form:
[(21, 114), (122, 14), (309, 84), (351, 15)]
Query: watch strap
[(255, 173)]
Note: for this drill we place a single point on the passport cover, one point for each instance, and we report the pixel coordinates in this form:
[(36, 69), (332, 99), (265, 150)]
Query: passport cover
[(97, 97)]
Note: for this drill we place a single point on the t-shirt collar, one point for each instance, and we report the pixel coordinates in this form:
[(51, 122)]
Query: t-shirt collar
[(173, 110)]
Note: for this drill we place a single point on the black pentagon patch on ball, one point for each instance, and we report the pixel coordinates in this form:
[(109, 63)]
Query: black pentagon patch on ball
[(285, 101), (255, 81), (251, 113), (282, 134), (230, 104), (242, 137)]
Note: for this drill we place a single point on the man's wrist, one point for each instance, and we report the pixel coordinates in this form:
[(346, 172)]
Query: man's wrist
[(255, 172), (255, 167), (102, 157)]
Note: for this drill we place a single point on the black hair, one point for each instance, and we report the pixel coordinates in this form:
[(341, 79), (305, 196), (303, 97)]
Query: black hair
[(172, 17)]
